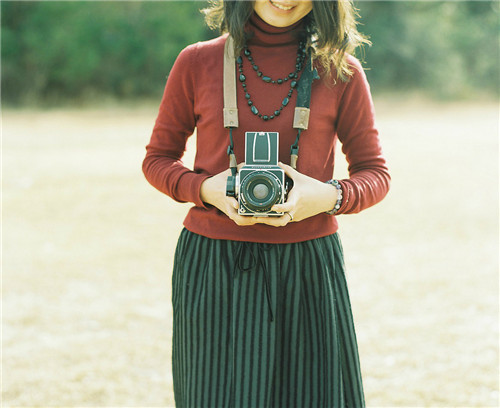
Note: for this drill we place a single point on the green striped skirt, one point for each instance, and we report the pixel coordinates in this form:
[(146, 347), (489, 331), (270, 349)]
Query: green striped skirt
[(263, 325)]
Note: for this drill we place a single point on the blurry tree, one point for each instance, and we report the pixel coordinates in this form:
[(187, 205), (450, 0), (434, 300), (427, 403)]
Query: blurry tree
[(60, 50), (73, 49), (446, 48)]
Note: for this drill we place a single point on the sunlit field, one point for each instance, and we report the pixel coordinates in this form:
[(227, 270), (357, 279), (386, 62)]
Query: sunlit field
[(88, 247)]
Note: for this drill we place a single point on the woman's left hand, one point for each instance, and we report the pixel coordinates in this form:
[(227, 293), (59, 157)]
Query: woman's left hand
[(307, 198)]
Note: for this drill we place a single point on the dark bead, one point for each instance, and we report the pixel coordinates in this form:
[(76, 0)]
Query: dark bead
[(266, 79), (290, 93), (242, 78), (255, 67), (250, 102), (239, 60), (259, 73), (244, 85), (250, 58), (290, 75), (273, 81), (247, 52), (247, 95), (276, 113), (265, 117), (298, 66), (271, 117), (293, 84), (259, 115), (255, 111), (285, 101), (298, 59), (280, 81)]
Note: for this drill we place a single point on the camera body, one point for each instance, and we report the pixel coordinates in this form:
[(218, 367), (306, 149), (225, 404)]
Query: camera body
[(260, 183)]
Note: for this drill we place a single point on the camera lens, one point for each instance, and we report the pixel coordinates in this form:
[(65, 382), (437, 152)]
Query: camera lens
[(260, 190)]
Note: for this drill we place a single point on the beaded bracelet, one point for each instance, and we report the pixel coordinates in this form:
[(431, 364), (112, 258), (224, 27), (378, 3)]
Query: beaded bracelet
[(337, 185)]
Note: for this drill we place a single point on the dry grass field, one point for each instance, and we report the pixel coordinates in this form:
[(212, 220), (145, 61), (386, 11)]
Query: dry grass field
[(88, 246)]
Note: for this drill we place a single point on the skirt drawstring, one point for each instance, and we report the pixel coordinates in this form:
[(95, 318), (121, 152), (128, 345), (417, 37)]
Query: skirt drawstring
[(255, 261)]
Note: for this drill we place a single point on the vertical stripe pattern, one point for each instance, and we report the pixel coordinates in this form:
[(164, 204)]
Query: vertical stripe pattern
[(263, 325)]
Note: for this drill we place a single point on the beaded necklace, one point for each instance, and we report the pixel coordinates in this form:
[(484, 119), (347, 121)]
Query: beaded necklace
[(291, 78), (230, 111)]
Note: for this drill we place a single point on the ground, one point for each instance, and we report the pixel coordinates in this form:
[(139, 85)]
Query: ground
[(88, 246)]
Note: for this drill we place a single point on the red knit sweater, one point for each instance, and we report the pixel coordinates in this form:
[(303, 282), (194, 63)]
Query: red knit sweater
[(193, 98)]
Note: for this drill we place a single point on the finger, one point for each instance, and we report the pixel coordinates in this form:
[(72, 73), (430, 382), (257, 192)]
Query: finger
[(289, 205), (274, 221), (289, 171), (285, 207), (240, 220), (243, 221), (233, 202)]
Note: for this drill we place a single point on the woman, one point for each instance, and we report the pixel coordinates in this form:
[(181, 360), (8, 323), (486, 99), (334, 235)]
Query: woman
[(261, 310)]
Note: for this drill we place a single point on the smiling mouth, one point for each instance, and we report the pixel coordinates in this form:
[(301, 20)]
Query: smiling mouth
[(281, 6)]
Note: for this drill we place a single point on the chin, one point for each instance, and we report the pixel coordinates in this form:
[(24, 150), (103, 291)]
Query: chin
[(282, 13)]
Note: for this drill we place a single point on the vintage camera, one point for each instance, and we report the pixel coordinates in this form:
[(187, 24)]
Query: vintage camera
[(260, 183)]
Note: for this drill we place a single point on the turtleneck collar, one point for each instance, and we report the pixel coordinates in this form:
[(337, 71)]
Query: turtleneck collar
[(265, 34)]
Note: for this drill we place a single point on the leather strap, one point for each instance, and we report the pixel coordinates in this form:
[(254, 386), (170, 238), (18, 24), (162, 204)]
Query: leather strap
[(302, 111), (230, 103), (301, 118)]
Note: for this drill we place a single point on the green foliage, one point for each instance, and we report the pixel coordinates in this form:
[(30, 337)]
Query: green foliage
[(57, 50), (448, 49), (53, 50)]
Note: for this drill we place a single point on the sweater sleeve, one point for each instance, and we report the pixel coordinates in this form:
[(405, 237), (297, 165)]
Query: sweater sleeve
[(369, 179), (176, 121)]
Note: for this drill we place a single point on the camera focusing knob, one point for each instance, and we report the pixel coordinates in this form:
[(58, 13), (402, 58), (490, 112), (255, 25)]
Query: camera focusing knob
[(231, 186)]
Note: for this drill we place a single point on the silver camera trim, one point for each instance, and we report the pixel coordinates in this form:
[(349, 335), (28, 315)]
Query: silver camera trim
[(242, 205), (255, 136)]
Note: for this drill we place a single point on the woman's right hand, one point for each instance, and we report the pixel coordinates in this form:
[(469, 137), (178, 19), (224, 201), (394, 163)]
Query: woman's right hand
[(213, 191)]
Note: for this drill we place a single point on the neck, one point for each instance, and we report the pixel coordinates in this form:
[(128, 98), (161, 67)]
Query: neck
[(264, 34)]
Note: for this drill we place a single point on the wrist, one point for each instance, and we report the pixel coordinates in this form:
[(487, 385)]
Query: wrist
[(206, 190), (330, 197), (337, 203)]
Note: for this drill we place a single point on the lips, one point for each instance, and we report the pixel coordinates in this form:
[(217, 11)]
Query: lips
[(281, 6)]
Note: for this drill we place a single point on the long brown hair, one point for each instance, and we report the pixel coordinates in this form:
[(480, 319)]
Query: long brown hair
[(331, 28)]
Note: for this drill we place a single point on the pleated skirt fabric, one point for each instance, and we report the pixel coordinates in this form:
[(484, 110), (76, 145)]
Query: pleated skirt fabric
[(263, 325)]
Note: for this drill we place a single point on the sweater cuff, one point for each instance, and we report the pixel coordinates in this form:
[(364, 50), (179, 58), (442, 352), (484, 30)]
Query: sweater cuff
[(346, 195), (192, 182)]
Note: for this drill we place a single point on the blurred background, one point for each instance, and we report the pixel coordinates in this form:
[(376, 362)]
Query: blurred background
[(54, 52), (88, 244)]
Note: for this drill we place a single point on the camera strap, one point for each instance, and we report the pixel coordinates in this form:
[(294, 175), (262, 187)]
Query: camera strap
[(302, 110), (230, 103), (230, 111)]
